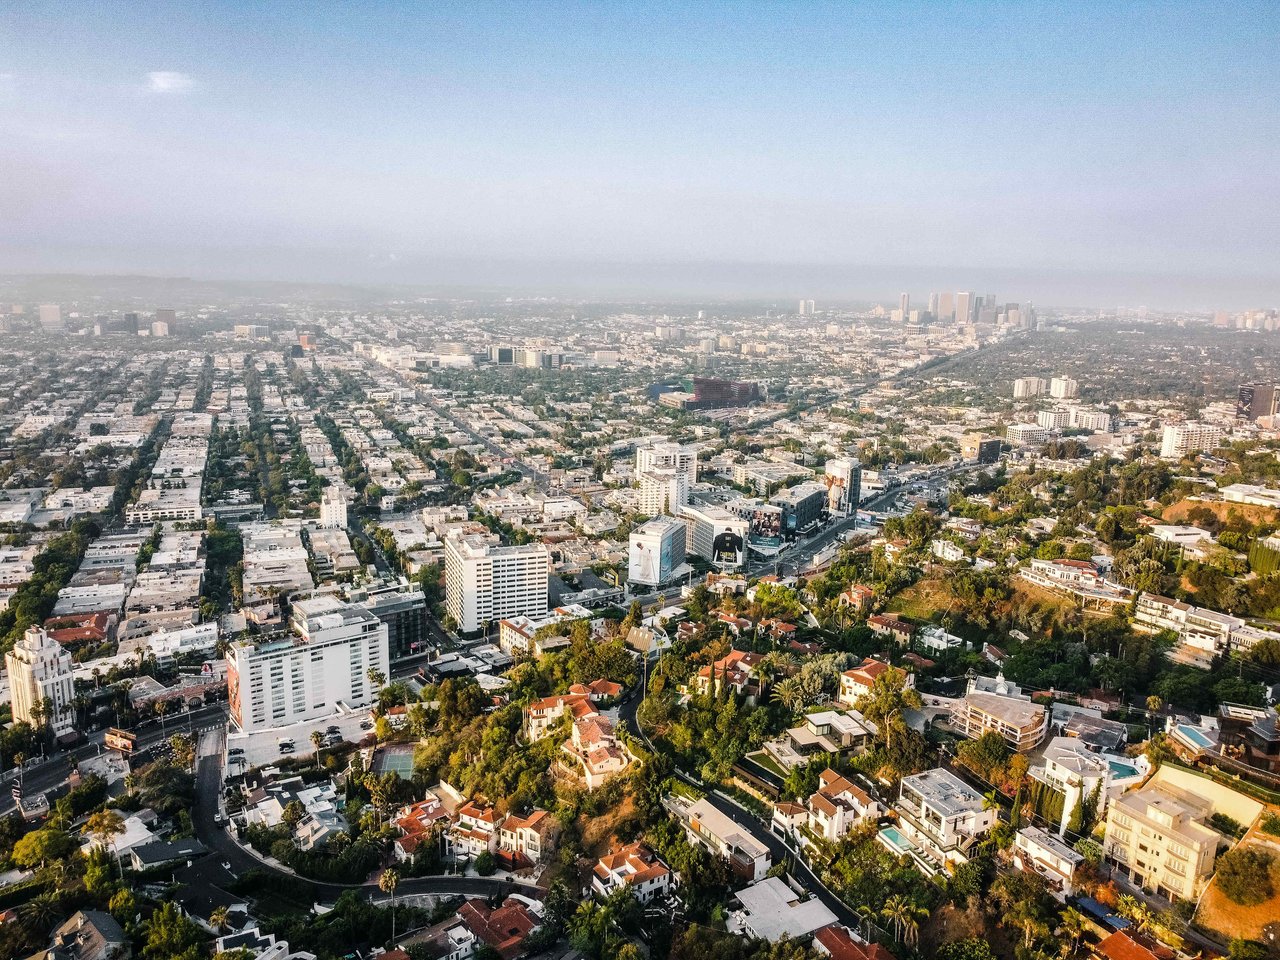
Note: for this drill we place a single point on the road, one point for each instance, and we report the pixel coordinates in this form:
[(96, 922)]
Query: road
[(778, 849), (540, 479), (52, 772), (225, 849)]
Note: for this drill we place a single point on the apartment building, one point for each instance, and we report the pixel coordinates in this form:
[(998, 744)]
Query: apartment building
[(1026, 434), (662, 492), (1000, 706), (1024, 388), (1180, 439), (41, 681), (667, 455), (485, 583), (1064, 388), (1157, 837), (942, 815), (656, 551), (321, 665)]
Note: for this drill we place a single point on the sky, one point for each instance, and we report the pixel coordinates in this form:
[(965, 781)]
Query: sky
[(1070, 152)]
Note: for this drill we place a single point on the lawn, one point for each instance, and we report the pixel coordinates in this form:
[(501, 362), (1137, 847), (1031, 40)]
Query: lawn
[(923, 601)]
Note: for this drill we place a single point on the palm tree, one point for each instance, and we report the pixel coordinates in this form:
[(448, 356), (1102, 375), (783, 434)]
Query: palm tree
[(376, 677), (105, 826), (897, 910), (218, 919), (387, 883), (317, 741)]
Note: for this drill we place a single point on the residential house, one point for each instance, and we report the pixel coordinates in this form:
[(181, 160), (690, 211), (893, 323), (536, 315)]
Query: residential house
[(937, 640), (858, 597), (1037, 851), (737, 668), (525, 841), (723, 836), (475, 830), (634, 867), (996, 704), (942, 815), (857, 683), (827, 732), (597, 752), (87, 935), (503, 928), (542, 715), (838, 805), (772, 911), (841, 943), (888, 625)]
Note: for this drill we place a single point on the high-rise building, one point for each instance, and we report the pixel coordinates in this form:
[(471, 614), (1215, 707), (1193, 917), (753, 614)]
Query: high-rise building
[(41, 681), (666, 455), (655, 551), (1180, 439), (933, 304), (402, 608), (1026, 387), (965, 307), (904, 304), (333, 509), (1054, 419), (50, 316), (801, 505), (946, 308), (1064, 388), (843, 477), (716, 535), (485, 583), (1256, 400), (662, 491), (981, 448), (321, 666), (170, 319)]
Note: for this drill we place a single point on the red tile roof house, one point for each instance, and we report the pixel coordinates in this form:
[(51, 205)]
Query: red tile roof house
[(503, 928), (857, 596), (839, 943), (597, 751), (635, 867), (738, 667), (597, 690), (418, 823), (886, 625), (476, 829), (528, 840), (542, 715)]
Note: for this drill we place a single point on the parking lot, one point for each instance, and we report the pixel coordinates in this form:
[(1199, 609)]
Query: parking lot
[(263, 747)]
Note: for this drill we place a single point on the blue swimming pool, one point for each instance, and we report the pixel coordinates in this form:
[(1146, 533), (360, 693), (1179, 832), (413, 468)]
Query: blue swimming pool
[(895, 841), (1122, 771), (1194, 736)]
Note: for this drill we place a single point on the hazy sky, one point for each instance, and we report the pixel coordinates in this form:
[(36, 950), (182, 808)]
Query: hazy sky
[(836, 145)]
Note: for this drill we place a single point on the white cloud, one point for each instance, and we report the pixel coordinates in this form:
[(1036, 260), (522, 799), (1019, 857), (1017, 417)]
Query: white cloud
[(169, 81)]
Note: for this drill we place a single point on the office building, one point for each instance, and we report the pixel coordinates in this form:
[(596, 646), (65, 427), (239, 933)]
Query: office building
[(318, 668), (1181, 439), (1024, 434), (666, 455), (715, 535), (50, 316), (41, 682), (904, 304), (1024, 388), (1095, 420), (1157, 837), (983, 449), (1257, 400), (946, 307), (1064, 388), (843, 479), (656, 551), (710, 393), (170, 320), (486, 583), (804, 308), (404, 611), (966, 307), (802, 506)]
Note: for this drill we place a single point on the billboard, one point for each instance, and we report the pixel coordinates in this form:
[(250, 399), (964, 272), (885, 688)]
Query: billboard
[(727, 549)]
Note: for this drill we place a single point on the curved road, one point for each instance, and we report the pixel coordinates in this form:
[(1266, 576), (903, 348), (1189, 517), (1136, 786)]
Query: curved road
[(779, 850), (226, 850)]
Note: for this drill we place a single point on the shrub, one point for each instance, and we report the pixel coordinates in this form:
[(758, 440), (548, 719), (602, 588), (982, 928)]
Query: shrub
[(1245, 876)]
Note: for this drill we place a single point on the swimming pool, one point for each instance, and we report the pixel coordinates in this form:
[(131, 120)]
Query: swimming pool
[(892, 838), (1122, 771), (1194, 736)]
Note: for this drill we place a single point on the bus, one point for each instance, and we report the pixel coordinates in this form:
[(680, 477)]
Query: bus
[(122, 740)]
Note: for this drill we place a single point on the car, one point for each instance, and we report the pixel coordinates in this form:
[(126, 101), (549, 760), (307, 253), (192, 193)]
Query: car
[(236, 752), (332, 729), (366, 724)]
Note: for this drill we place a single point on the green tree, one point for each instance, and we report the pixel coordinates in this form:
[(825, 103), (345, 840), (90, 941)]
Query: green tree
[(41, 846), (387, 883)]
